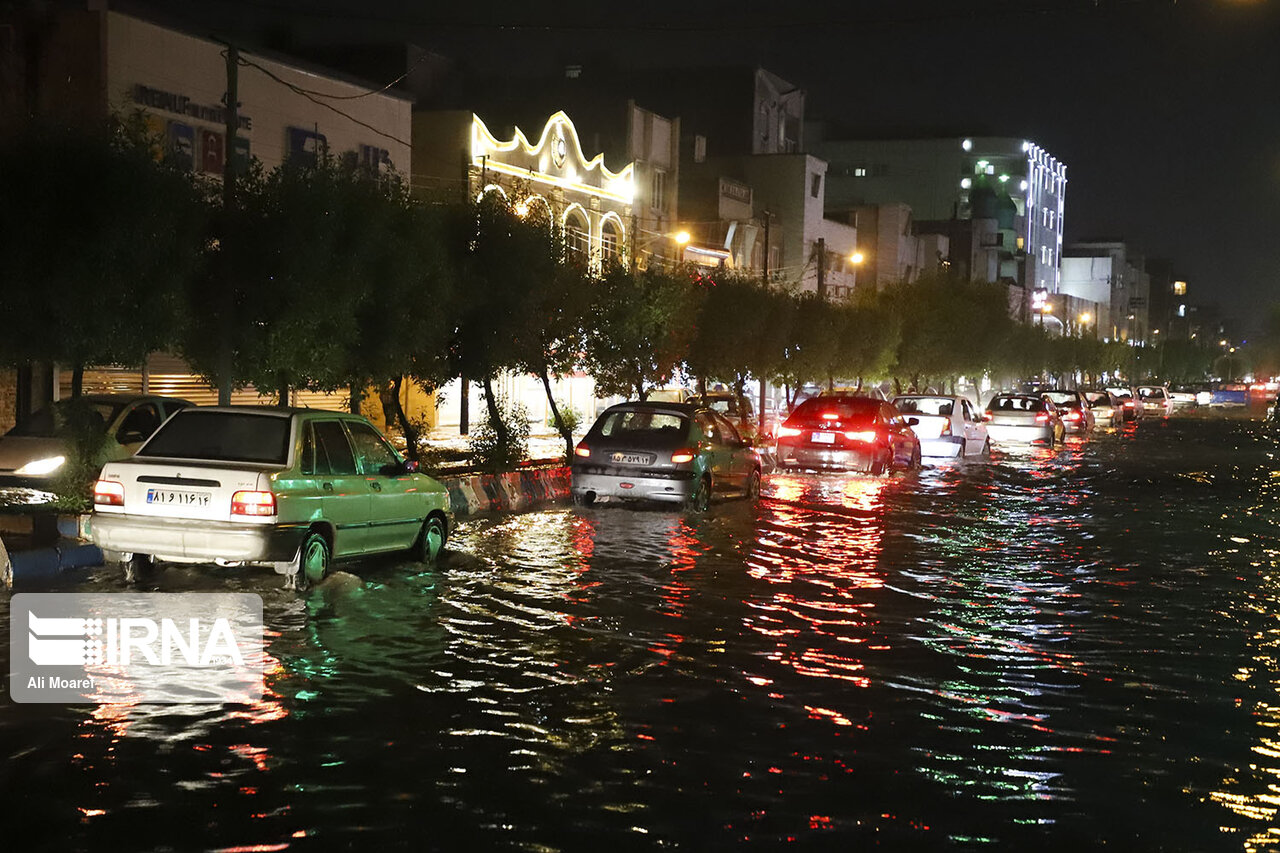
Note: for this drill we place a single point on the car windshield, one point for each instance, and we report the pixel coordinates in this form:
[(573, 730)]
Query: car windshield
[(1061, 397), (1098, 399), (820, 409), (942, 406), (49, 421), (222, 437), (1016, 404), (631, 421)]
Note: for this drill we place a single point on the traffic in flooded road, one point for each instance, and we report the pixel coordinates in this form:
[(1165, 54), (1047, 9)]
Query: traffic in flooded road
[(1043, 648)]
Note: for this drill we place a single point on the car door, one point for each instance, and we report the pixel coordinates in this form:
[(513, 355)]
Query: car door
[(395, 505), (337, 493), (975, 432), (718, 457), (736, 449), (899, 433)]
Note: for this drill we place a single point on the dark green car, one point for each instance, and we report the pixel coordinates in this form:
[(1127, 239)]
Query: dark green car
[(663, 452)]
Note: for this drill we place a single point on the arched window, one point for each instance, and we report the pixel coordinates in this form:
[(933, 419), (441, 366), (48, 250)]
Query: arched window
[(610, 241), (577, 235)]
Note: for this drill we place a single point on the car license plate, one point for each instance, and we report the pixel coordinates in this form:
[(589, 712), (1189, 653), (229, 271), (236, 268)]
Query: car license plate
[(824, 438), (632, 458), (175, 497)]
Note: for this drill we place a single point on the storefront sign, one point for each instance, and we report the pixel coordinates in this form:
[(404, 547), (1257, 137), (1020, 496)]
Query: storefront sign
[(183, 105)]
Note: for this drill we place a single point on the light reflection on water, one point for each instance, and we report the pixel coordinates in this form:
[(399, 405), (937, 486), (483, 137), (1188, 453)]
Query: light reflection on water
[(1063, 647)]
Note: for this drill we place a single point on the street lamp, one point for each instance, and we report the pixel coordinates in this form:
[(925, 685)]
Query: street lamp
[(682, 237), (857, 258)]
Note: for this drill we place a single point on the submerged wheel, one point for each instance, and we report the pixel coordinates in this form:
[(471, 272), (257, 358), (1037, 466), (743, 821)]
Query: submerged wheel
[(700, 500), (915, 459), (137, 568), (430, 544), (311, 563), (878, 466), (753, 486)]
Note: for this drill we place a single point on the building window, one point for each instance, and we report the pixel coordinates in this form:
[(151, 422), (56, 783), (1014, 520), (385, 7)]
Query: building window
[(609, 242), (699, 149), (815, 186), (577, 236), (658, 190)]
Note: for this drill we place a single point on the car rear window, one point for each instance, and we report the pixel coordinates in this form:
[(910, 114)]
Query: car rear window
[(925, 406), (844, 411), (643, 421), (1061, 397), (1098, 399), (51, 421), (222, 437), (1017, 404)]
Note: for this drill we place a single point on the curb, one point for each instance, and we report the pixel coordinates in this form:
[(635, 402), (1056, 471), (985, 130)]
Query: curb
[(46, 563), (512, 491)]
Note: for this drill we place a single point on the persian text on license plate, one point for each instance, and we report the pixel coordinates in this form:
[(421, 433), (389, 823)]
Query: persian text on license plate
[(177, 497), (824, 438), (632, 458)]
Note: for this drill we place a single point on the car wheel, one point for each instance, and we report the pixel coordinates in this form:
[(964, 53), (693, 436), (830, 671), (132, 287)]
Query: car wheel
[(430, 544), (137, 568), (586, 499), (700, 500), (311, 563), (986, 447), (753, 486), (915, 459), (878, 466)]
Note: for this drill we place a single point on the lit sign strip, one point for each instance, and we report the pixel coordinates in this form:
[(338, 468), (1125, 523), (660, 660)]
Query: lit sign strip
[(543, 177)]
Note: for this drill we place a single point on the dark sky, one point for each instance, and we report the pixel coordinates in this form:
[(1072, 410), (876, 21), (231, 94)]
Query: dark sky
[(1166, 114)]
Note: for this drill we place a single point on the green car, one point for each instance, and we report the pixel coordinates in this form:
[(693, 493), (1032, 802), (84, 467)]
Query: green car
[(293, 489)]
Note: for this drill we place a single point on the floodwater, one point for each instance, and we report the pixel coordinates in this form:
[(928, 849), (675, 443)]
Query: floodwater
[(1063, 649)]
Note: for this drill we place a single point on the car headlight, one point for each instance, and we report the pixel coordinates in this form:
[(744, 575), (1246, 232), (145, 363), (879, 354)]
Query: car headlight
[(40, 467)]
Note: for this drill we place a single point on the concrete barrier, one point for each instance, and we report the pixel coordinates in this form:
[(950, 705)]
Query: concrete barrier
[(514, 491)]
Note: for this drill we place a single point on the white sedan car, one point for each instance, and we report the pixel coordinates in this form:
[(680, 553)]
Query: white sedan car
[(946, 426)]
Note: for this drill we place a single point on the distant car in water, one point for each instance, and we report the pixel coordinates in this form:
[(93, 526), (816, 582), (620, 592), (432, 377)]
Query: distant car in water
[(946, 426), (736, 408), (840, 433), (1077, 416), (1023, 418), (663, 452), (36, 450), (1106, 407), (1130, 406), (1155, 400)]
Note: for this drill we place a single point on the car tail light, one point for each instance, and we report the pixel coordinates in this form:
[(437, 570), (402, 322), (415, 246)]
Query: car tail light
[(582, 450), (1042, 418), (830, 416), (1130, 404), (682, 456), (788, 432), (1073, 415), (108, 493), (946, 428), (986, 416), (869, 436), (253, 503)]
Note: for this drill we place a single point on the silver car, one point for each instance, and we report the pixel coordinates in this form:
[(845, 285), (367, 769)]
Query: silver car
[(663, 452), (1077, 416), (1023, 418), (35, 452)]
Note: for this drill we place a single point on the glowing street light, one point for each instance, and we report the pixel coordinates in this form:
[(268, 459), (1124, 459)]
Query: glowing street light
[(682, 237), (1086, 318), (857, 258)]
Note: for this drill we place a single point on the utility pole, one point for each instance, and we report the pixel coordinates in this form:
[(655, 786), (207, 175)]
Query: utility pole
[(822, 267), (768, 217), (227, 324)]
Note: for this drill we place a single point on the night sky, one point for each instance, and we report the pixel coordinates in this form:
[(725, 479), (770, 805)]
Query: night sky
[(1166, 114)]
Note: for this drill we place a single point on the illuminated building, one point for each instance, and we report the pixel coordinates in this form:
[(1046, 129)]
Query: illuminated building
[(1111, 273), (999, 200)]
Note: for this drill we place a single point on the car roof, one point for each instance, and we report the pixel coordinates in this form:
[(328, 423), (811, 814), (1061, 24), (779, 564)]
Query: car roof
[(123, 398), (654, 405), (274, 411)]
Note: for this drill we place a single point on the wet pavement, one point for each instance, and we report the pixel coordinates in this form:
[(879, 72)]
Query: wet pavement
[(1061, 649)]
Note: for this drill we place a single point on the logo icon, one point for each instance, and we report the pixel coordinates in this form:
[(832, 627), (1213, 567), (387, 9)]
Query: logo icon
[(64, 642)]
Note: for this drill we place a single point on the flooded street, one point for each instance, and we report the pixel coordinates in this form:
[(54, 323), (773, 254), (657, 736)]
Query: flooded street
[(1051, 649)]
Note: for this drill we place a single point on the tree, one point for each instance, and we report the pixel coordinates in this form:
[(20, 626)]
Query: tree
[(97, 247), (813, 345), (639, 327), (730, 320)]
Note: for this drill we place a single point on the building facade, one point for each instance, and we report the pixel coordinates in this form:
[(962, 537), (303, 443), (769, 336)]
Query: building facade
[(81, 66), (1112, 274)]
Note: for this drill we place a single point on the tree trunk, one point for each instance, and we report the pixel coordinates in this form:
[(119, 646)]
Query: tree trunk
[(642, 392), (282, 388), (357, 397), (77, 380), (831, 382), (411, 434), (555, 412), (702, 385), (897, 387), (495, 416)]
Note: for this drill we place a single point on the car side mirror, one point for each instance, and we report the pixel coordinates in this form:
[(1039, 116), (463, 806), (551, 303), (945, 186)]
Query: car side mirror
[(912, 421), (410, 466)]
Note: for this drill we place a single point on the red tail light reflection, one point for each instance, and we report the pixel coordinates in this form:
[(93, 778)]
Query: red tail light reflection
[(788, 432), (869, 436)]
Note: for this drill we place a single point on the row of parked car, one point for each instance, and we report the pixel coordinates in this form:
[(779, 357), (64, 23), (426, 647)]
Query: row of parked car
[(296, 489), (687, 449)]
